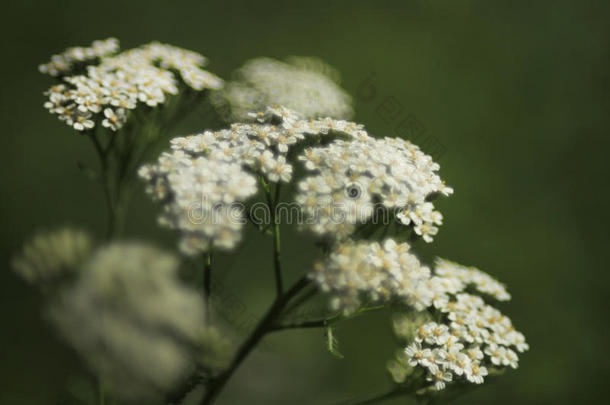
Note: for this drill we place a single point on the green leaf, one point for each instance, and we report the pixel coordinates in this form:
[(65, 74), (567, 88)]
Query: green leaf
[(332, 344)]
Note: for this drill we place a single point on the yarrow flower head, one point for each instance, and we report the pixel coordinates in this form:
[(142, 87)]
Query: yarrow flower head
[(352, 178), (200, 182), (52, 256), (209, 172), (364, 272), (307, 86), (205, 175), (470, 340), (132, 320), (65, 62), (99, 85), (462, 275), (198, 193)]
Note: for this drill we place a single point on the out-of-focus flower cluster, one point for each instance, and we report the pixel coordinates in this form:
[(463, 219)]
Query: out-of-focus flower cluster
[(52, 256), (307, 86), (470, 338), (130, 318), (123, 308), (63, 63), (99, 86)]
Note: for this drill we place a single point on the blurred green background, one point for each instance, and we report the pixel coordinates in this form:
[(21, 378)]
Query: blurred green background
[(516, 92)]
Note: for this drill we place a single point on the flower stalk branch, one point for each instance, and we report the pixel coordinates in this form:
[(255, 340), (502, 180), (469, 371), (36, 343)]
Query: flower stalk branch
[(324, 322), (263, 327), (207, 284)]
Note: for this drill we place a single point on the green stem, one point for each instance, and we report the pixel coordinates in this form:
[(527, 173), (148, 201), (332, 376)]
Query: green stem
[(276, 258), (110, 206), (100, 393), (320, 323), (301, 300), (262, 328), (275, 230), (207, 284), (314, 323)]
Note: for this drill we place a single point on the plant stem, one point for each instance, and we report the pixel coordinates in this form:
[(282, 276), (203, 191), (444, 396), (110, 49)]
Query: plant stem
[(275, 230), (100, 393), (302, 299), (315, 323), (261, 329), (276, 243), (110, 206), (177, 396), (276, 257), (320, 323), (207, 284)]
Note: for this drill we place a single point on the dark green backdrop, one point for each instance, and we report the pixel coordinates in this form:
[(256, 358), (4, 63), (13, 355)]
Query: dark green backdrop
[(515, 92)]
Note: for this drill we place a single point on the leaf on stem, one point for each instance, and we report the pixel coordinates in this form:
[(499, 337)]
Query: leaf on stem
[(332, 344)]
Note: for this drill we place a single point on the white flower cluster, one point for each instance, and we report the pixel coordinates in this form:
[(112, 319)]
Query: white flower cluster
[(131, 319), (206, 173), (51, 256), (197, 193), (210, 171), (64, 62), (121, 82), (462, 276), (472, 336), (305, 85), (199, 180), (364, 272), (352, 176)]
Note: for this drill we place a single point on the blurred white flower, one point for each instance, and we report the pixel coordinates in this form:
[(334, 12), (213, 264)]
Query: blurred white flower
[(307, 86), (52, 256), (62, 64), (132, 320)]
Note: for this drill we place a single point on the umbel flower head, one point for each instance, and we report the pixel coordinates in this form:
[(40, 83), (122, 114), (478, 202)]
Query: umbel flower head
[(205, 175), (353, 178), (65, 62), (100, 87), (200, 182), (355, 273), (469, 338), (52, 256), (307, 86), (130, 318)]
